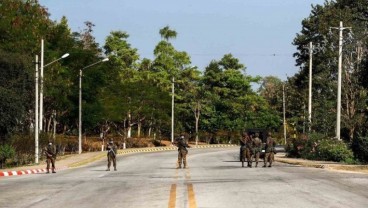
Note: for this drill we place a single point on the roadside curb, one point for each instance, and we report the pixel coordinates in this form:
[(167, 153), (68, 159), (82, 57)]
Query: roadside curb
[(159, 149), (302, 163), (103, 154), (325, 165), (26, 172)]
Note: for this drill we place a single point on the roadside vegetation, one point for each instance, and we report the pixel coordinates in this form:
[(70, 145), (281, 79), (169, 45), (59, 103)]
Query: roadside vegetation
[(128, 98)]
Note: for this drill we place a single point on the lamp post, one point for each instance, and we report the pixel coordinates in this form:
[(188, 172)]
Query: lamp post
[(39, 98), (80, 103), (36, 111), (172, 108), (41, 80), (283, 110)]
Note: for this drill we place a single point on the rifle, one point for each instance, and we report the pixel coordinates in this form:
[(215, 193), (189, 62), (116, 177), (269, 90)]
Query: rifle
[(112, 150)]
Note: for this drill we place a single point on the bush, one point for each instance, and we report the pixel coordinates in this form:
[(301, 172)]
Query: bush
[(360, 147), (319, 147), (332, 150), (6, 152), (296, 146)]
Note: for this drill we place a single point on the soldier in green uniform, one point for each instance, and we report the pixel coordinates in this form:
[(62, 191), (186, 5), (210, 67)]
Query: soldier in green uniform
[(50, 152), (249, 150), (111, 155), (243, 152), (182, 151), (257, 147), (269, 150)]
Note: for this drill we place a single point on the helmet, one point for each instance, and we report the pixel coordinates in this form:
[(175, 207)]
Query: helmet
[(182, 137), (50, 143), (111, 142)]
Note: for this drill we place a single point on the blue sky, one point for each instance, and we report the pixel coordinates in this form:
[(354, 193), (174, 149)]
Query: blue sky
[(252, 30)]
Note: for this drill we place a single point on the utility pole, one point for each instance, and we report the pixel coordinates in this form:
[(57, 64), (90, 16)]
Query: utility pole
[(311, 48), (283, 107), (172, 109), (41, 86), (341, 29), (80, 113), (36, 111)]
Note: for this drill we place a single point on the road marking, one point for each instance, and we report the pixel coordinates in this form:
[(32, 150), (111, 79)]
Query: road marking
[(172, 199), (191, 196)]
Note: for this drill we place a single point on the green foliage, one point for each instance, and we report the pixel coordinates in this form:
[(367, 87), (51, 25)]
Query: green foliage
[(319, 147), (124, 92), (15, 92), (6, 152), (232, 104), (360, 147), (316, 28)]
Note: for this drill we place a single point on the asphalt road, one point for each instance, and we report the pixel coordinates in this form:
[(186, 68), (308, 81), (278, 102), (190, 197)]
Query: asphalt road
[(214, 178)]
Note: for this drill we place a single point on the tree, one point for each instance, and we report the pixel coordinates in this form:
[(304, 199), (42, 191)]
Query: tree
[(233, 105), (316, 28)]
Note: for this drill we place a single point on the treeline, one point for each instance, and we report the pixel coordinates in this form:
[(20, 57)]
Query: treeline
[(128, 96), (320, 28)]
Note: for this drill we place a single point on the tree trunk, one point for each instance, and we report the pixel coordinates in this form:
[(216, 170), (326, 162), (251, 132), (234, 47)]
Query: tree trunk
[(197, 113), (129, 133), (49, 124), (139, 129)]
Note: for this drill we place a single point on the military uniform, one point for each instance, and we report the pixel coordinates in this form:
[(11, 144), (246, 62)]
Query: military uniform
[(50, 153), (111, 155), (249, 150), (269, 149), (257, 147), (243, 153), (182, 151)]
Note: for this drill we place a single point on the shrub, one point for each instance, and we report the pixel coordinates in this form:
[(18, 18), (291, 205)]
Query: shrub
[(360, 147), (319, 147), (6, 152), (332, 150)]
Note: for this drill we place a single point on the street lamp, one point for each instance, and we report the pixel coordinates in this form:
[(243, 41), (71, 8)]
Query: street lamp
[(41, 86), (41, 80), (80, 103), (39, 99), (172, 108)]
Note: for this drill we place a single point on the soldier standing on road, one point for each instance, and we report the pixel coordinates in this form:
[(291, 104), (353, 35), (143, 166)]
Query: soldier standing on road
[(50, 153), (182, 151), (243, 153), (269, 149), (111, 155), (257, 146), (249, 151)]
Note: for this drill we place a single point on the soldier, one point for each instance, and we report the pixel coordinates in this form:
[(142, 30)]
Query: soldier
[(269, 150), (257, 147), (182, 151), (50, 153), (111, 155), (243, 153), (249, 151)]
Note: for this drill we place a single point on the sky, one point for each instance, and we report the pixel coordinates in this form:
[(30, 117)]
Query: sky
[(257, 32)]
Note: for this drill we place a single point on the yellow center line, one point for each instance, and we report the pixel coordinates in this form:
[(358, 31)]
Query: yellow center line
[(191, 196), (172, 199)]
